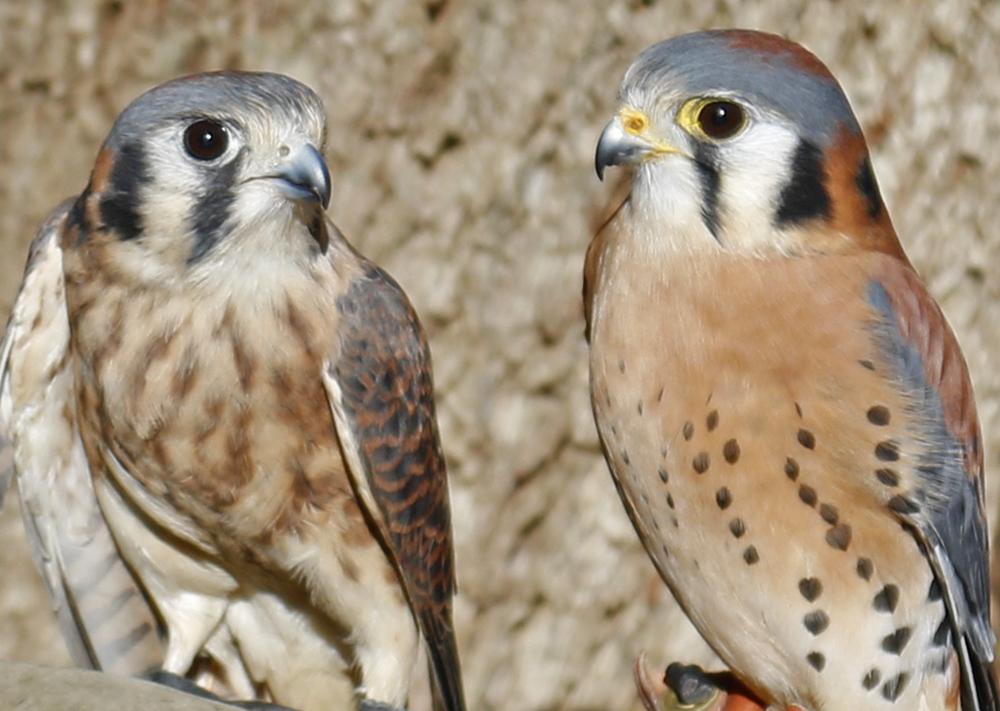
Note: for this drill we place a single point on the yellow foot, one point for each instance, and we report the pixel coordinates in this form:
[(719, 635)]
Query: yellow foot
[(688, 688)]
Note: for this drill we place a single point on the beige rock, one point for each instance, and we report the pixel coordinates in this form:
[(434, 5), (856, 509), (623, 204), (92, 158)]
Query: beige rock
[(26, 687)]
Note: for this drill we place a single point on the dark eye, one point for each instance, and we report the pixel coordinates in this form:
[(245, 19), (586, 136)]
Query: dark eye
[(206, 140), (721, 119)]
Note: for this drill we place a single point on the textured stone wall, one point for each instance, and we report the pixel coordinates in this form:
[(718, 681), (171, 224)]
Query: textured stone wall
[(461, 145)]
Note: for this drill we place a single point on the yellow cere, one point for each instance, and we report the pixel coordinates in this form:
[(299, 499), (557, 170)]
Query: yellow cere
[(687, 117), (633, 121)]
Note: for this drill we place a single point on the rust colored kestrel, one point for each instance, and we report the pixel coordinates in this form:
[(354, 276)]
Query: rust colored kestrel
[(222, 416), (786, 413)]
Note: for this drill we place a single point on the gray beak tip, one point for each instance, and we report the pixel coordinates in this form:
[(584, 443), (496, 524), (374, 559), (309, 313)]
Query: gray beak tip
[(305, 176)]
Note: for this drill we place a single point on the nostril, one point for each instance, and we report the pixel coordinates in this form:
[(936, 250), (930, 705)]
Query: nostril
[(284, 151)]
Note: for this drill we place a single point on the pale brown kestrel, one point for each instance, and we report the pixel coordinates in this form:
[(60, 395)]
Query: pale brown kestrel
[(785, 411), (222, 416)]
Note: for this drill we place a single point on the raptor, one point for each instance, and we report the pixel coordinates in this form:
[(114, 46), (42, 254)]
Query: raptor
[(221, 416), (785, 411)]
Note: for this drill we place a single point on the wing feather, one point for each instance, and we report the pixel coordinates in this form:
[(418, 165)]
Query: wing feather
[(947, 512), (103, 613), (382, 397)]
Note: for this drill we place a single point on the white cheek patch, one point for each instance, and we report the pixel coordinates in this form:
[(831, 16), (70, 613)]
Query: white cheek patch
[(668, 192), (754, 169)]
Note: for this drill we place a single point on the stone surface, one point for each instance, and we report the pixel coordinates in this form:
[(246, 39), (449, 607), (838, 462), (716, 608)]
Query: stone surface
[(26, 687), (461, 142)]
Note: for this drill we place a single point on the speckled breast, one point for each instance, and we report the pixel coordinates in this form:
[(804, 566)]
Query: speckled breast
[(755, 443)]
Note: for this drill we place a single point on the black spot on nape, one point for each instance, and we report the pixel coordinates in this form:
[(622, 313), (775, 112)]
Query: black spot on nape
[(816, 622), (723, 498), (811, 588), (670, 503), (791, 469), (878, 415), (895, 642), (887, 451), (664, 476), (806, 438), (700, 462), (750, 555), (688, 430), (889, 477), (121, 199), (867, 364), (708, 176), (816, 660), (893, 688), (865, 180), (865, 568), (871, 679), (807, 494), (886, 599), (639, 408), (804, 197), (731, 451), (214, 207), (839, 536)]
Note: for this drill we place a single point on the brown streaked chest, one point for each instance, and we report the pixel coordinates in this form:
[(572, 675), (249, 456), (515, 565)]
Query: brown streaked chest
[(212, 403)]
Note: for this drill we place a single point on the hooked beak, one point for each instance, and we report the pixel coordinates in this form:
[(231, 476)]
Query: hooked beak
[(303, 176), (618, 146)]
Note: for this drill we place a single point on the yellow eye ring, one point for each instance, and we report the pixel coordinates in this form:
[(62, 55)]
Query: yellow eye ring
[(712, 118)]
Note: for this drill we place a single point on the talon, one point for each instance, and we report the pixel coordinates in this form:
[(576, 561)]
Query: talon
[(691, 685), (650, 686)]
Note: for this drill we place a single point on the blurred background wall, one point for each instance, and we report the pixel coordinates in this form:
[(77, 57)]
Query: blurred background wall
[(461, 139)]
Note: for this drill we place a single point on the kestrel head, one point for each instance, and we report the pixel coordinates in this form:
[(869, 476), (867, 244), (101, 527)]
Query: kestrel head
[(742, 140), (214, 169)]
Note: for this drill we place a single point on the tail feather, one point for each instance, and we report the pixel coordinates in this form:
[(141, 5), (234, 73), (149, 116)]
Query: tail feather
[(445, 673)]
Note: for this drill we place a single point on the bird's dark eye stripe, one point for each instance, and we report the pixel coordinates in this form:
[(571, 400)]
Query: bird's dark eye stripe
[(721, 119), (206, 139)]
